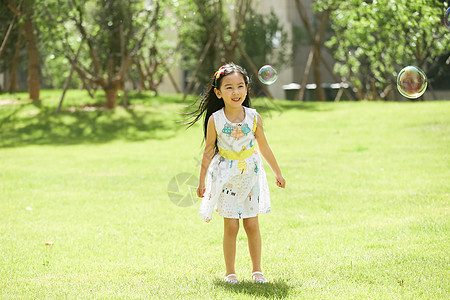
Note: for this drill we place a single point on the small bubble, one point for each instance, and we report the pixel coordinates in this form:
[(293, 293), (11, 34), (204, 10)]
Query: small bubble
[(267, 75)]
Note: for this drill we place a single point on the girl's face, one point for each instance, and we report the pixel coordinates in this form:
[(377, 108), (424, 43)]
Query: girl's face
[(233, 90)]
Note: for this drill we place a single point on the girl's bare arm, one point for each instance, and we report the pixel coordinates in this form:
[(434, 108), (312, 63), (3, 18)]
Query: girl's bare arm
[(208, 154), (267, 153)]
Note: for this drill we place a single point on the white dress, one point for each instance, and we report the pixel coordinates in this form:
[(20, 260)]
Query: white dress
[(236, 183)]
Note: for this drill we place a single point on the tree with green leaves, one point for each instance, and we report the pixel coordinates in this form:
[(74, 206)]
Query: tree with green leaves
[(159, 52), (11, 44), (217, 32), (316, 34), (110, 35), (265, 42), (203, 28), (33, 52), (374, 40), (113, 39), (22, 24)]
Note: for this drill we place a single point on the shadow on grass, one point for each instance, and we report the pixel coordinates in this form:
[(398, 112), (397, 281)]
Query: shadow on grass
[(10, 115), (38, 125), (276, 289), (148, 117)]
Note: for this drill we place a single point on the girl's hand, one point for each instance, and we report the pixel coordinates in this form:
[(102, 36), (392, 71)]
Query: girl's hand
[(201, 190), (280, 181)]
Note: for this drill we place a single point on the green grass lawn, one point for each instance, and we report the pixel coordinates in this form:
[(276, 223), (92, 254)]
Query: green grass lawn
[(365, 212)]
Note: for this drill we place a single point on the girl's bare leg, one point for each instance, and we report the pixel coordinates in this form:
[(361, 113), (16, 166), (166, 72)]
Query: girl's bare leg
[(231, 229), (251, 226)]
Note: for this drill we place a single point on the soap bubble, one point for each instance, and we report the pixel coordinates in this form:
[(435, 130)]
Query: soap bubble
[(267, 74), (446, 20), (411, 82)]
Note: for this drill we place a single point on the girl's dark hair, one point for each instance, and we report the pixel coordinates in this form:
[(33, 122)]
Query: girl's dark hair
[(209, 101)]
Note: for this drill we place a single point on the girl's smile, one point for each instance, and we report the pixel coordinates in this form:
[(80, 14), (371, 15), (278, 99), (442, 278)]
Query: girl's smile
[(233, 90)]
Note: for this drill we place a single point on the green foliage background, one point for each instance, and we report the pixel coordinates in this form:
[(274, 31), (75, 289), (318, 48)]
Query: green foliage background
[(373, 41), (370, 40)]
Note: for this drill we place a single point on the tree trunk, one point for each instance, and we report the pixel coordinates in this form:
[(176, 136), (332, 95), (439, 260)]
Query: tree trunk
[(337, 79), (67, 82), (13, 82), (315, 54), (373, 90), (33, 59), (141, 84), (5, 39), (200, 63), (173, 81), (386, 92), (16, 12), (320, 93), (5, 80), (301, 92), (111, 94)]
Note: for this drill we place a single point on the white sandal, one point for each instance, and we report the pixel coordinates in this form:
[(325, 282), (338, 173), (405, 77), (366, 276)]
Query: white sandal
[(233, 280), (259, 279)]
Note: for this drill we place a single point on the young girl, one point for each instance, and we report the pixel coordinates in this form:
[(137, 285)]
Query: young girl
[(236, 184)]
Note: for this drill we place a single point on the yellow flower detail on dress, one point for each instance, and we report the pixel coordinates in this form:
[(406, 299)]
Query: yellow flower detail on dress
[(242, 166)]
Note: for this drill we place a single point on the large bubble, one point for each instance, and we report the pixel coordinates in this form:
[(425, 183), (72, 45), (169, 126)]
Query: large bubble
[(411, 82), (267, 74)]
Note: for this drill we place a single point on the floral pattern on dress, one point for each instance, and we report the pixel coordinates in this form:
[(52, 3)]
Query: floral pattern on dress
[(236, 131)]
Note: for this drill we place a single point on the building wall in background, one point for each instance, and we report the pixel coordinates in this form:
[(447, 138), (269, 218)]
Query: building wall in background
[(286, 11)]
